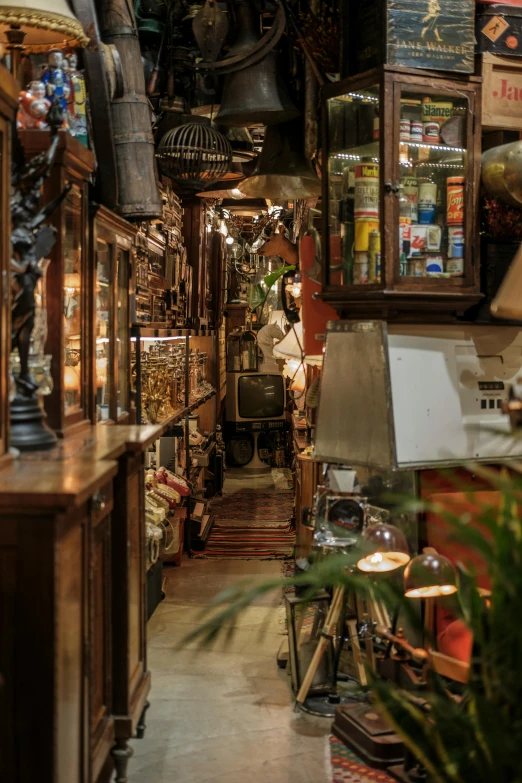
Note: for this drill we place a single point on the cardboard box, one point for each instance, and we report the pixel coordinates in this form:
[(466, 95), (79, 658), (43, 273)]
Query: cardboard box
[(430, 34), (501, 92)]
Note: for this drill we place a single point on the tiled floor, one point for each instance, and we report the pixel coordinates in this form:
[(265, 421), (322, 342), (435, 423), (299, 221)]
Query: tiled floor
[(223, 715)]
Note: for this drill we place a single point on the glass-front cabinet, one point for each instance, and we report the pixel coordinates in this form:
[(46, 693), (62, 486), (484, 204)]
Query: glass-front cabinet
[(112, 240), (67, 284), (400, 185)]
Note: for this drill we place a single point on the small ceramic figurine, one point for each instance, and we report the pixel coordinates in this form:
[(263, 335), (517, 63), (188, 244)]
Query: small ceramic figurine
[(32, 112), (56, 80), (77, 101)]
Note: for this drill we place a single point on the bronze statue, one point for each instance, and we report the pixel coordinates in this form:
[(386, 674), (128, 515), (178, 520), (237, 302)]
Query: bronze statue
[(30, 241)]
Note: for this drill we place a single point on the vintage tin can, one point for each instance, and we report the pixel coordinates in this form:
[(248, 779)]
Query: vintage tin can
[(404, 129), (374, 257), (363, 228), (455, 200), (416, 131), (416, 267), (366, 191), (455, 267), (431, 132), (427, 202), (434, 265), (436, 110), (455, 241), (410, 190), (360, 268)]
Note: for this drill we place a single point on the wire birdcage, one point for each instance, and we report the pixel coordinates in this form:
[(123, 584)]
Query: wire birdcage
[(194, 155)]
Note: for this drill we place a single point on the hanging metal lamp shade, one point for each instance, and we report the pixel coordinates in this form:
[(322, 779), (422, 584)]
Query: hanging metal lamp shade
[(387, 549), (41, 25), (194, 155), (282, 171)]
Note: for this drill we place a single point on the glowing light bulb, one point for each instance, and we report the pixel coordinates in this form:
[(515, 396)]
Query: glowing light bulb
[(236, 193), (230, 240), (375, 559), (223, 228)]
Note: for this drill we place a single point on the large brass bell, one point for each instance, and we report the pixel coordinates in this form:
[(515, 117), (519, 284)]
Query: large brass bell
[(255, 94), (282, 171)]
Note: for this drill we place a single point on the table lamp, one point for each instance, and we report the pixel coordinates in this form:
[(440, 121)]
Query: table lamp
[(430, 575), (388, 549), (37, 26)]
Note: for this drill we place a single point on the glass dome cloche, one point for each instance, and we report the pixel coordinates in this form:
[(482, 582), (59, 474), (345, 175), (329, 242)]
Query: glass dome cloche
[(242, 351)]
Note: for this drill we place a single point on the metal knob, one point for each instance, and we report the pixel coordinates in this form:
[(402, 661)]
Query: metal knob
[(98, 501), (389, 188)]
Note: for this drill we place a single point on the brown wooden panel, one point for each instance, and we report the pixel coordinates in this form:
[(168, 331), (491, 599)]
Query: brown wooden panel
[(99, 639), (7, 658), (136, 607), (69, 597)]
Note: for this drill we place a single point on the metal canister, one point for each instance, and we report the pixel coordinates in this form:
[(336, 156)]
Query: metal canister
[(455, 241), (374, 257), (455, 200), (405, 129), (427, 202), (431, 132), (416, 131), (363, 228), (360, 268), (436, 110), (366, 191), (410, 189)]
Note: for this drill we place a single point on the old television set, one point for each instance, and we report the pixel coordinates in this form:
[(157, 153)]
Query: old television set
[(256, 400)]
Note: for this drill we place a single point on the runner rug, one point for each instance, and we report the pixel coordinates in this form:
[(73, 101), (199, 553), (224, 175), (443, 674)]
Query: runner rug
[(252, 524), (345, 767)]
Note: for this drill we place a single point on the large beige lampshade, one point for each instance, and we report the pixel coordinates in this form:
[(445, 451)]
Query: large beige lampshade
[(45, 24)]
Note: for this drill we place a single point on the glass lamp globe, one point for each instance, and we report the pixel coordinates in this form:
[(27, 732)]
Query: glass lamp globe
[(388, 549), (430, 576)]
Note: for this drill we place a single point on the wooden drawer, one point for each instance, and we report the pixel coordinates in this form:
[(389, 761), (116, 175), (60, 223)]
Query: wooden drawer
[(102, 503)]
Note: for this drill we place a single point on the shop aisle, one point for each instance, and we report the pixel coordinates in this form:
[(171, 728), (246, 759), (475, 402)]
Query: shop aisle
[(223, 715)]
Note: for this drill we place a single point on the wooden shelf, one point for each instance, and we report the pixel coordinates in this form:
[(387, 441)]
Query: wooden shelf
[(151, 333)]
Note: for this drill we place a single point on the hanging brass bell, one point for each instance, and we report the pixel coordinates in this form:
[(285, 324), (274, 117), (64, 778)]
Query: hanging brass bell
[(255, 94), (282, 171)]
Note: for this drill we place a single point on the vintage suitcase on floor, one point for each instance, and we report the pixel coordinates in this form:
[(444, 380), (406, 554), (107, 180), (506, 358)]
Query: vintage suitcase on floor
[(366, 732)]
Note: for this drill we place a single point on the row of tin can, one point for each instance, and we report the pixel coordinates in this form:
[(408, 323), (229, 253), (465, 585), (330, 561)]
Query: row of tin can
[(421, 195)]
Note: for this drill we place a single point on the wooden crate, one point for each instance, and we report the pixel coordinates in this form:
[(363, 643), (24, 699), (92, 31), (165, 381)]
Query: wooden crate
[(501, 92)]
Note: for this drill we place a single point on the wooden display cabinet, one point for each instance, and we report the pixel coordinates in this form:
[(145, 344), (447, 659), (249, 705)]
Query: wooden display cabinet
[(72, 537), (68, 405), (112, 242), (402, 160), (8, 104)]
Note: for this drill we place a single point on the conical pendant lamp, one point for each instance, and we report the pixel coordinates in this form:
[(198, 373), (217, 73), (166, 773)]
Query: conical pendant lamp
[(282, 171)]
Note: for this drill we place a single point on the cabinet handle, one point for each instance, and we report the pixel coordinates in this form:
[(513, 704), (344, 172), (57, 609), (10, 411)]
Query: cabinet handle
[(389, 188), (98, 501)]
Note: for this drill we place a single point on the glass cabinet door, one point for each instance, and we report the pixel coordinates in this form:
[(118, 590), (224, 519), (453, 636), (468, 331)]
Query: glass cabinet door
[(73, 301), (354, 219), (103, 331), (122, 327), (434, 211)]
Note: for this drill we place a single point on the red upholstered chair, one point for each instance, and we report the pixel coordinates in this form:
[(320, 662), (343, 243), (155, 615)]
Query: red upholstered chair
[(471, 497)]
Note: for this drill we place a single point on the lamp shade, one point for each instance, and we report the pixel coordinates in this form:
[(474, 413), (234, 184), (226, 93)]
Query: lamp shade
[(387, 549), (430, 576), (290, 346), (45, 24)]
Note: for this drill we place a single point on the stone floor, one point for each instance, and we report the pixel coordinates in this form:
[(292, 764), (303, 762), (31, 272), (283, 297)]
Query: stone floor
[(223, 715)]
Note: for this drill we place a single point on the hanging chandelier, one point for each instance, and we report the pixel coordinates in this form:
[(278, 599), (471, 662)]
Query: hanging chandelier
[(194, 155)]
